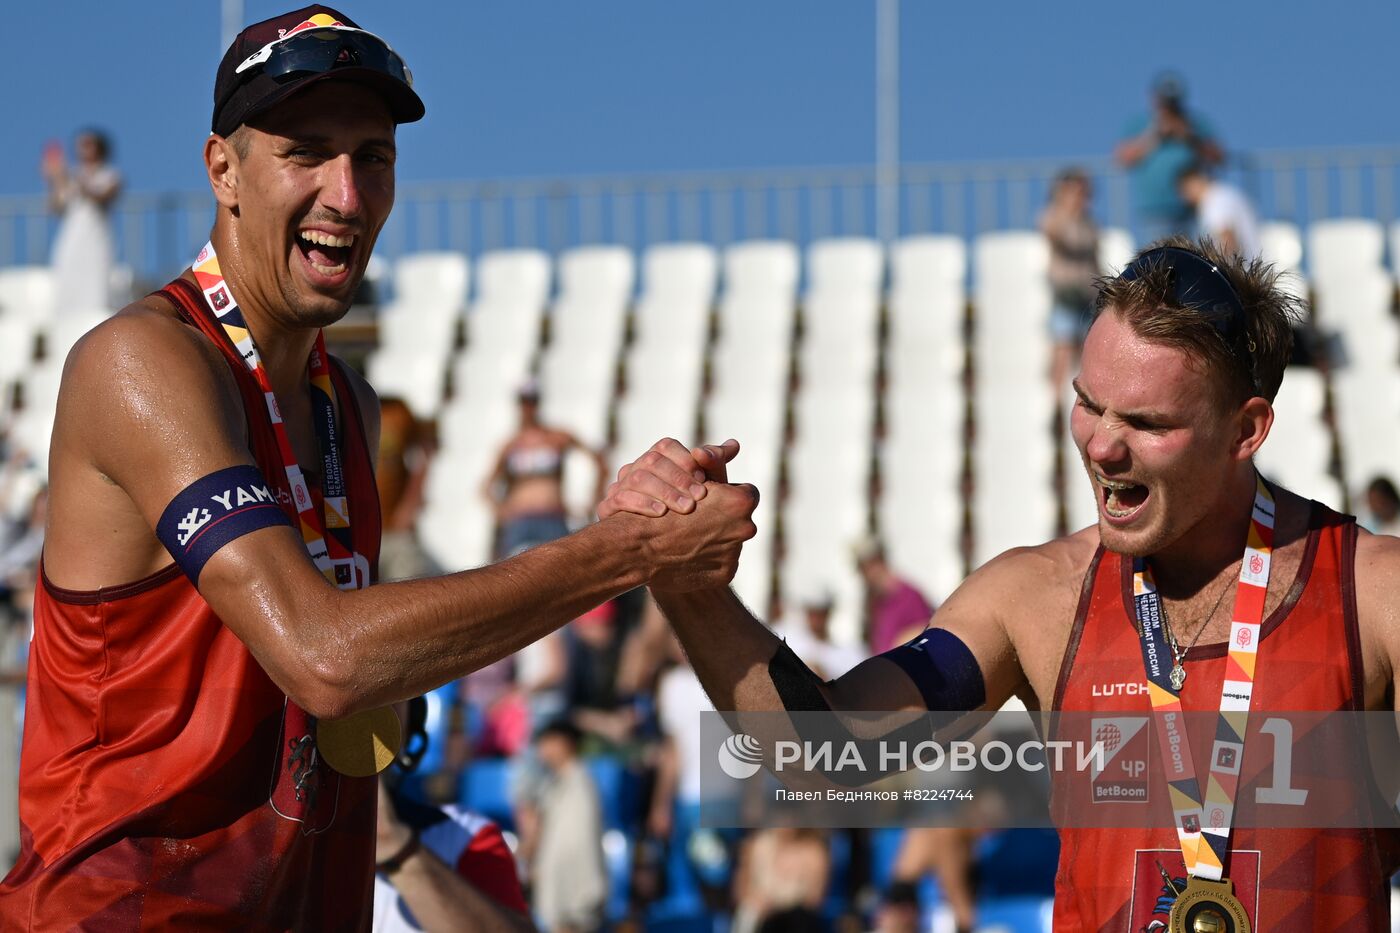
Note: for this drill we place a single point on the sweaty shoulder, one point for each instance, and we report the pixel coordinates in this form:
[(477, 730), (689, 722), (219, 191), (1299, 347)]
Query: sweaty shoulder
[(146, 407), (1378, 606), (128, 380), (1039, 572)]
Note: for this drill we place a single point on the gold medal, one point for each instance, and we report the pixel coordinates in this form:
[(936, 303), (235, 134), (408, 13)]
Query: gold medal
[(362, 744), (1208, 907)]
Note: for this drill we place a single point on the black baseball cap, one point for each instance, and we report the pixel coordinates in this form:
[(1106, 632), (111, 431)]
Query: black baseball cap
[(272, 60)]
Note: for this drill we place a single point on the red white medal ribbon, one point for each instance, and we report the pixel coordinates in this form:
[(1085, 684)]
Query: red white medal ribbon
[(332, 553), (1211, 821)]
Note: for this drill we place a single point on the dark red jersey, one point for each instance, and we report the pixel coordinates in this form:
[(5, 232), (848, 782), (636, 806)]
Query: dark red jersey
[(1309, 658), (165, 781)]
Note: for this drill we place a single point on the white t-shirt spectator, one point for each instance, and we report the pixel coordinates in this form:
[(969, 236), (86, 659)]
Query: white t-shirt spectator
[(1225, 208), (679, 701)]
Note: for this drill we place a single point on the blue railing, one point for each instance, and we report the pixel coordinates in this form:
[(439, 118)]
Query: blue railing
[(157, 232)]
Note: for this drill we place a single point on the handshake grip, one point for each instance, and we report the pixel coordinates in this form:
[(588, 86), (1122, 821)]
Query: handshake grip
[(701, 549), (696, 521)]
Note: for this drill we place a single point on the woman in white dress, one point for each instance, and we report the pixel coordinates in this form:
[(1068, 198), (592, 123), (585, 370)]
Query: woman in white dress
[(83, 249)]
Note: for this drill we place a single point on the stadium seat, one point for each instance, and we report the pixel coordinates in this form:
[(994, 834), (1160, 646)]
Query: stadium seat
[(485, 376), (618, 792), (419, 379), (470, 424), (67, 329), (429, 280), (18, 344), (581, 485), (1339, 248), (1009, 255), (845, 266), (41, 385), (761, 267), (1115, 250), (485, 789), (1281, 244), (927, 263), (27, 291), (680, 273), (514, 278), (30, 431), (426, 330)]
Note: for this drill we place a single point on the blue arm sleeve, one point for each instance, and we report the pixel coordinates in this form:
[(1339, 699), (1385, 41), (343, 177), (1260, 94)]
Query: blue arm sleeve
[(214, 510), (943, 669)]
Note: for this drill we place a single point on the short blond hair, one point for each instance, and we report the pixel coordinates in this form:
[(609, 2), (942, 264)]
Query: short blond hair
[(1146, 303)]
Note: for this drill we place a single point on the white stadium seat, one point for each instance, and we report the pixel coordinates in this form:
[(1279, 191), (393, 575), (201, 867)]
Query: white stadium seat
[(1281, 244), (603, 274), (680, 272), (761, 267), (1338, 248), (517, 277), (419, 380), (432, 279), (927, 263), (850, 265), (1009, 255), (27, 291), (1115, 250)]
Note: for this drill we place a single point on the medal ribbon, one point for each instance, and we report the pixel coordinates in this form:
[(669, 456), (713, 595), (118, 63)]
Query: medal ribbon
[(333, 552), (1212, 821)]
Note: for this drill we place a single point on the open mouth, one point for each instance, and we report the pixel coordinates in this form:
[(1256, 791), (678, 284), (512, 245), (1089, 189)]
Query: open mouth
[(1121, 499), (327, 253)]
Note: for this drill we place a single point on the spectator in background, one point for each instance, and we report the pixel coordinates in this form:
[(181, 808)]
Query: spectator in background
[(561, 837), (401, 468), (697, 858), (897, 610), (1382, 515), (439, 868), (83, 253), (1155, 148), (526, 488), (899, 910), (780, 870), (1223, 213), (810, 637), (1074, 264), (947, 853)]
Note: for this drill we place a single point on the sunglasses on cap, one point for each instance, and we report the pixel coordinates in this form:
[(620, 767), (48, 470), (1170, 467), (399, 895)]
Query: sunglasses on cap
[(1198, 285), (319, 50)]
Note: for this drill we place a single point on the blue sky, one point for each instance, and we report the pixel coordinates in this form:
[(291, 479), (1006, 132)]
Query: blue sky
[(534, 88)]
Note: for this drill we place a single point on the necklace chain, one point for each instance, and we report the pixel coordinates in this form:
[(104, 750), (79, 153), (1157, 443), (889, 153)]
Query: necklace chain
[(1171, 636)]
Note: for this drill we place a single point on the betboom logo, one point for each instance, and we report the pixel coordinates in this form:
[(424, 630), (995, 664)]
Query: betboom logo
[(740, 756)]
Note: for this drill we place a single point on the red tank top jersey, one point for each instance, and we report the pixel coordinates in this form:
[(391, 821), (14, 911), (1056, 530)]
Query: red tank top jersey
[(165, 781), (1309, 660)]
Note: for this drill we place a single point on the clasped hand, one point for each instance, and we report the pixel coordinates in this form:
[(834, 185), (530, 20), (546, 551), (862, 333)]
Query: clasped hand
[(699, 519)]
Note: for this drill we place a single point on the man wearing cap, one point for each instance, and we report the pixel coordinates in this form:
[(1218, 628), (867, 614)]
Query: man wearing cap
[(1202, 589), (202, 737), (1155, 147)]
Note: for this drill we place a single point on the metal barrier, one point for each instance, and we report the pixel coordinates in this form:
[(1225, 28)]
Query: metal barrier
[(157, 232)]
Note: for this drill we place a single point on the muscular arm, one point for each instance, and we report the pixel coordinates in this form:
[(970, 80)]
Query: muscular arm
[(439, 897), (173, 415), (731, 650), (1378, 617), (442, 900)]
